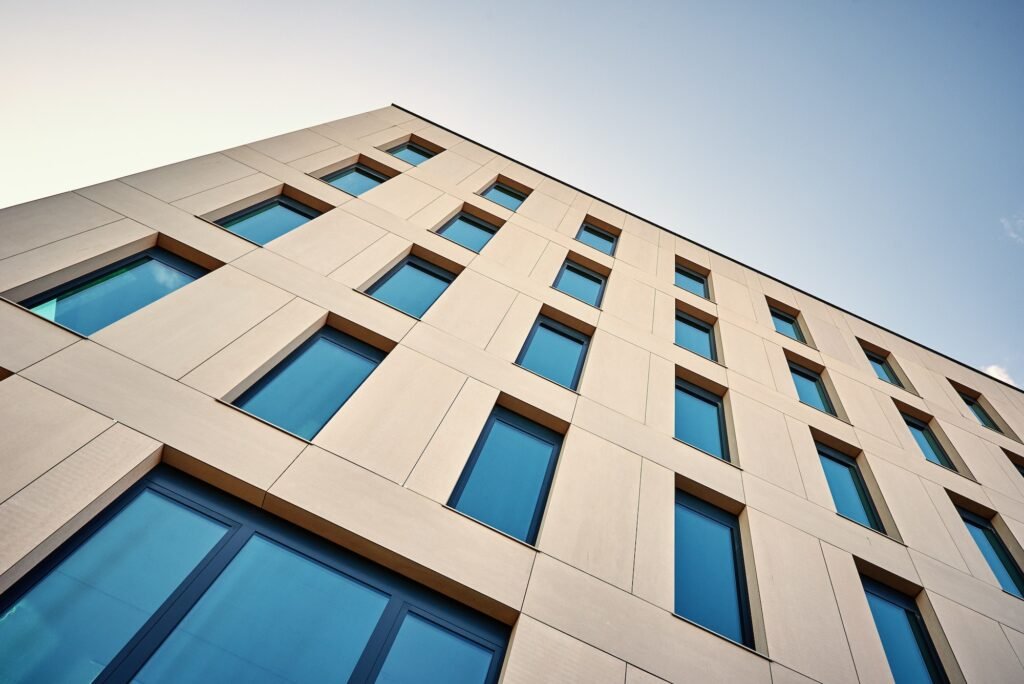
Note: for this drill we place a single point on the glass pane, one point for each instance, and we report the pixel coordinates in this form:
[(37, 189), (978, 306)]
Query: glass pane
[(580, 284), (307, 388), (68, 627), (411, 288), (692, 282), (506, 197), (354, 180), (272, 616), (901, 638), (694, 337), (553, 355), (467, 232), (847, 491), (413, 154), (507, 480), (998, 557), (599, 240), (266, 224), (424, 653), (883, 370), (697, 423), (980, 413), (706, 573), (787, 325), (930, 446), (811, 391), (113, 296)]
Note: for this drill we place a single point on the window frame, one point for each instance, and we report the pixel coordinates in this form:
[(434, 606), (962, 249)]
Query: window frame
[(569, 264), (689, 272), (819, 381), (508, 190), (792, 319), (1010, 564), (243, 521), (883, 361), (920, 629), (284, 200), (358, 166), (415, 147), (587, 227), (979, 412), (565, 330), (417, 262), (483, 225), (719, 402), (860, 485), (911, 421), (709, 328), (502, 414)]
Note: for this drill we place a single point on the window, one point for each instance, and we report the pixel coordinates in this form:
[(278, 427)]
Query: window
[(1004, 567), (928, 442), (411, 153), (691, 281), (580, 282), (883, 369), (412, 286), (102, 297), (555, 351), (178, 582), (598, 238), (811, 388), (787, 325), (695, 335), (268, 220), (908, 648), (505, 482), (468, 231), (710, 583), (305, 390), (504, 195), (979, 412), (700, 420), (849, 492), (355, 179)]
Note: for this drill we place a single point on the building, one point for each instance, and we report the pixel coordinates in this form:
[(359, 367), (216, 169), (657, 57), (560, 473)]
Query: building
[(371, 401)]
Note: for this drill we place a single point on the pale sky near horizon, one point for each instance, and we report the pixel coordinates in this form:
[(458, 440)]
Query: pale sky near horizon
[(869, 152)]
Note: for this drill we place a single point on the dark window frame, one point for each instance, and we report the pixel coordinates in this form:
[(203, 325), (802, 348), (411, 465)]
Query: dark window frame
[(792, 320), (999, 546), (559, 328), (859, 485), (415, 147), (473, 220), (817, 379), (507, 189), (689, 272), (419, 263), (358, 166), (719, 402), (918, 626), (581, 270), (883, 361), (979, 412), (283, 200), (709, 328), (243, 521), (701, 507), (502, 414), (911, 421), (586, 227)]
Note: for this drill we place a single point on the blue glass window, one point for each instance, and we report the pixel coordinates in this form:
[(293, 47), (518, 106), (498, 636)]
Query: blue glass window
[(1020, 468), (849, 493), (268, 220), (411, 153), (505, 196), (998, 557), (691, 281), (811, 388), (695, 335), (710, 584), (178, 582), (102, 297), (412, 286), (555, 351), (979, 412), (598, 238), (355, 179), (930, 446), (468, 231), (305, 390), (908, 648), (505, 482), (883, 369), (700, 420), (580, 282), (787, 325)]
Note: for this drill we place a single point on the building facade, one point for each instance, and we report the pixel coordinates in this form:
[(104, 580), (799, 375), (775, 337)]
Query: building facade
[(371, 402)]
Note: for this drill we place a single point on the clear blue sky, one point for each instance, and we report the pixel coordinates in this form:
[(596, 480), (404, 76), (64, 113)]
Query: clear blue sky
[(783, 134)]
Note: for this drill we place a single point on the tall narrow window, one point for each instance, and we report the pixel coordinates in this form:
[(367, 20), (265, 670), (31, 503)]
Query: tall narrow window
[(908, 648), (102, 297), (979, 412), (598, 238), (305, 390), (787, 325), (355, 179), (883, 369), (700, 420), (505, 482), (412, 286), (811, 388), (691, 281), (411, 153), (710, 584), (580, 282), (268, 220), (555, 351), (849, 492), (995, 552), (502, 194), (469, 231), (695, 335), (928, 442)]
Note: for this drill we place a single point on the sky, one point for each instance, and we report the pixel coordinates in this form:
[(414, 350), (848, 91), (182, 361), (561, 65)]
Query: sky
[(869, 152)]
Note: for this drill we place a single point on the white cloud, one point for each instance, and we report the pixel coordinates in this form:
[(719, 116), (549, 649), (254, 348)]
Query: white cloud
[(998, 372), (1014, 229)]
